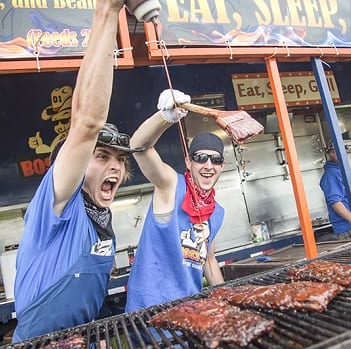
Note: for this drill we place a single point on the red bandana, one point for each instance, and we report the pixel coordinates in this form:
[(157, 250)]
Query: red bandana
[(197, 203)]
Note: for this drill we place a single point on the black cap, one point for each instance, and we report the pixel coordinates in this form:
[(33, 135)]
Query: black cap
[(110, 136), (208, 141)]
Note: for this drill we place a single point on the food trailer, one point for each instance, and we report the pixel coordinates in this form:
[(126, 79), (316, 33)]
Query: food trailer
[(287, 63)]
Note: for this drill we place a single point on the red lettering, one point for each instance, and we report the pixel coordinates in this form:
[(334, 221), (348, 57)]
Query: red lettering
[(39, 166), (47, 163), (27, 168), (35, 167)]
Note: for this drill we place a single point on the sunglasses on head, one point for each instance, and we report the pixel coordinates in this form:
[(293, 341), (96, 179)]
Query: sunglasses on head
[(110, 138), (201, 158)]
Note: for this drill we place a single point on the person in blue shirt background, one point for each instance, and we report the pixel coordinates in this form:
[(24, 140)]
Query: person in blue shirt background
[(336, 199)]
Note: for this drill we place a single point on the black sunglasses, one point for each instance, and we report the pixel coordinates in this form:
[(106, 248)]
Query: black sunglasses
[(110, 138), (201, 158)]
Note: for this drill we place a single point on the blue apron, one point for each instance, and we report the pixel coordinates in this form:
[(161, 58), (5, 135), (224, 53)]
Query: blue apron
[(73, 300)]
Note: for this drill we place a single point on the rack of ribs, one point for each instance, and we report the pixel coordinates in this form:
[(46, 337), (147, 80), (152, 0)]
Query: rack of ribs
[(322, 271), (73, 342), (305, 295), (213, 321)]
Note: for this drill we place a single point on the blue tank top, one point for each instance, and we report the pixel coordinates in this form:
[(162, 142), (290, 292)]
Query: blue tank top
[(61, 280), (169, 260)]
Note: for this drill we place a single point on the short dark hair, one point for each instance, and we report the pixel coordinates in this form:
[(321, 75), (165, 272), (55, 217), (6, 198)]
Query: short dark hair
[(206, 141)]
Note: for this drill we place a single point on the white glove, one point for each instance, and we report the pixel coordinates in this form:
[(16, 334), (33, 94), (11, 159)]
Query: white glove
[(166, 105)]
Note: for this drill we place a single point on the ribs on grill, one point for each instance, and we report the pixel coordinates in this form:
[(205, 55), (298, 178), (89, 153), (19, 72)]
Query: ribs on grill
[(322, 271), (72, 342), (305, 296), (213, 321)]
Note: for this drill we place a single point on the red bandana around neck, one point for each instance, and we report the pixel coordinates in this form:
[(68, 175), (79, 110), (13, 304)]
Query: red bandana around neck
[(197, 203)]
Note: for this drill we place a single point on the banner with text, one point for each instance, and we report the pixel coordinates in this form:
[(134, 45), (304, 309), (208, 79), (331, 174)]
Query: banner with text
[(254, 91), (322, 23), (46, 28), (53, 28)]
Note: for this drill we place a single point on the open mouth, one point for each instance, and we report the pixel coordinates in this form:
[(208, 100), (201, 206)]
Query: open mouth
[(207, 175), (108, 186)]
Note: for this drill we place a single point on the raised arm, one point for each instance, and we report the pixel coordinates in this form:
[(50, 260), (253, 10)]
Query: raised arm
[(153, 167), (90, 105)]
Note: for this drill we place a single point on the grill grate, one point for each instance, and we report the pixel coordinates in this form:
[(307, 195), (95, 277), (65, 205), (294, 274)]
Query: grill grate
[(293, 330)]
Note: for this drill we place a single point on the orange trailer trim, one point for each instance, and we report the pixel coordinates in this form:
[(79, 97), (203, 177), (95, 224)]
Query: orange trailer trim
[(125, 60), (293, 162)]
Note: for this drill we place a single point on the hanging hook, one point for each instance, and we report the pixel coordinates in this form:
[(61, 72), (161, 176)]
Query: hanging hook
[(336, 49), (325, 63), (117, 52), (115, 55), (287, 48), (151, 42), (36, 54), (36, 50), (320, 57), (274, 53), (163, 44), (230, 48)]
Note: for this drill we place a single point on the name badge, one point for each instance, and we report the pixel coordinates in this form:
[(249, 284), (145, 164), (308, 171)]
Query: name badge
[(102, 248)]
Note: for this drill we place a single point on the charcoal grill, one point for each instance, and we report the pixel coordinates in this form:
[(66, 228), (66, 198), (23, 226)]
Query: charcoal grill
[(293, 330)]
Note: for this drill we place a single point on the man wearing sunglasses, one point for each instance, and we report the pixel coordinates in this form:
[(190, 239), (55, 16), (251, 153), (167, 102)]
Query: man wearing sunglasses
[(176, 248), (67, 249)]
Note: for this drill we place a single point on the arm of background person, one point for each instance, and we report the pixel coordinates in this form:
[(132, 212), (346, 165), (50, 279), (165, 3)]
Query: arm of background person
[(342, 211), (212, 270), (90, 104)]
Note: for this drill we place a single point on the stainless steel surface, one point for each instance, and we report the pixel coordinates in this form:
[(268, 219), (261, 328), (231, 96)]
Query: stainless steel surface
[(262, 190), (344, 119), (279, 258)]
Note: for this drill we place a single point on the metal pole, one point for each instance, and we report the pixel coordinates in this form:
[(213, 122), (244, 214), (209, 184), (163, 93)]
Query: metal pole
[(333, 124)]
